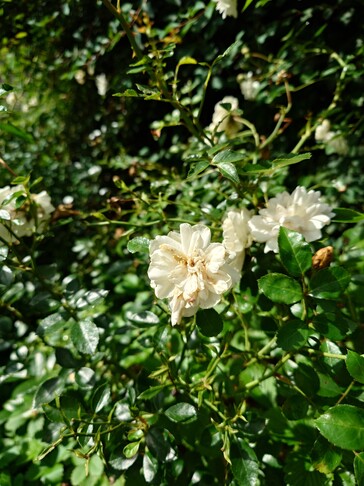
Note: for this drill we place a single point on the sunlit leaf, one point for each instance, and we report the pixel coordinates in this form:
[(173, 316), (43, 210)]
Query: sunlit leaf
[(280, 288), (343, 426)]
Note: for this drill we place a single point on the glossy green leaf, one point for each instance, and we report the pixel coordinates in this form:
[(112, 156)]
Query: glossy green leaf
[(293, 335), (228, 170), (6, 275), (343, 426), (101, 397), (355, 365), (47, 391), (158, 443), (150, 467), (347, 215), (227, 156), (359, 468), (197, 168), (294, 251), (138, 244), (143, 318), (280, 288), (244, 464), (326, 457), (209, 322), (152, 392), (329, 283), (131, 449), (181, 413), (328, 387), (85, 336)]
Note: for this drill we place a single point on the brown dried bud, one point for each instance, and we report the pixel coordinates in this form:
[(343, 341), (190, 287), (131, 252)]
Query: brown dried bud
[(323, 257)]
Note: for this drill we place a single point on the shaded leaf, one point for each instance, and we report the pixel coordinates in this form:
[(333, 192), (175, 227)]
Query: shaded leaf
[(209, 322), (293, 335), (47, 391), (329, 283)]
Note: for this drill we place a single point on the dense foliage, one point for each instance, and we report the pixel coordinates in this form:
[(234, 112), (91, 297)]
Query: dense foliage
[(113, 111)]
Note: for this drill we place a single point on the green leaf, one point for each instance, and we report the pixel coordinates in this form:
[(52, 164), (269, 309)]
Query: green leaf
[(294, 251), (227, 156), (359, 468), (17, 132), (128, 93), (197, 168), (289, 159), (326, 458), (229, 171), (345, 215), (328, 387), (138, 244), (85, 336), (295, 407), (186, 60), (152, 392), (181, 413), (299, 471), (6, 275), (355, 365), (293, 335), (158, 443), (101, 397), (150, 467), (244, 465), (329, 283), (306, 379), (247, 3), (50, 324), (143, 318), (280, 288), (343, 426), (131, 449), (331, 326), (209, 322), (47, 391)]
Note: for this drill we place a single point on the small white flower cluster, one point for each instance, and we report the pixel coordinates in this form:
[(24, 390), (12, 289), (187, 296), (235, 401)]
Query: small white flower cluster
[(227, 8), (31, 217), (193, 273), (333, 140)]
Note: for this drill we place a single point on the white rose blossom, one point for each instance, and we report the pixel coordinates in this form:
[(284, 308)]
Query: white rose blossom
[(189, 270), (333, 140), (248, 85), (31, 217), (227, 8), (237, 236), (223, 120), (300, 211)]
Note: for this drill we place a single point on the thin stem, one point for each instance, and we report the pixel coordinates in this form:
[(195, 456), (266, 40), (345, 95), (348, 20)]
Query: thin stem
[(119, 15), (254, 383)]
